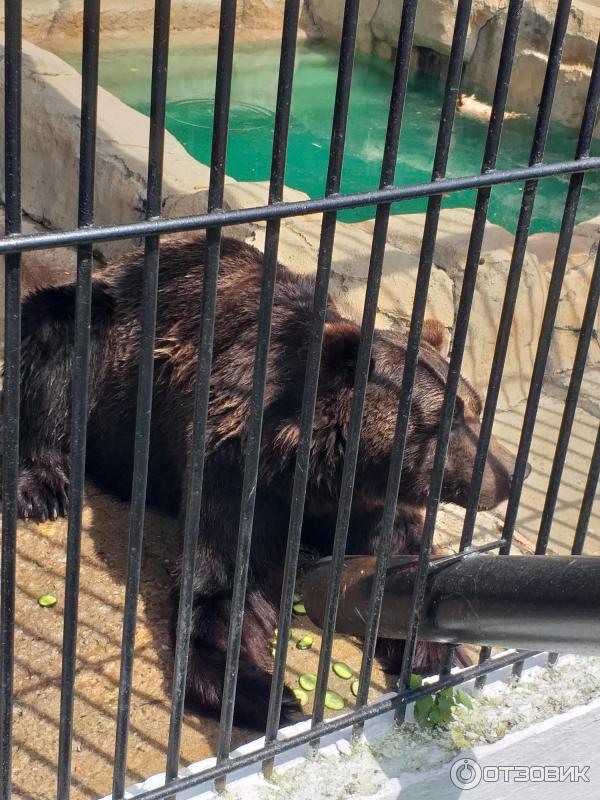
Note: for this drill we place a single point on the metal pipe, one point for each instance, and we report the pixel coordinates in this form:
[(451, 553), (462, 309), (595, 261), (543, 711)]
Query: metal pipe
[(516, 601)]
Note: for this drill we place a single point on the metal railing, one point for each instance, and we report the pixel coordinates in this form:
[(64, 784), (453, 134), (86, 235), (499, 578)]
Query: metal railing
[(214, 221)]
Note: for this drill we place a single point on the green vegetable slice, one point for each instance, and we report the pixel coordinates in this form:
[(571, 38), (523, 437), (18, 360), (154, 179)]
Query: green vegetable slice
[(301, 697), (308, 681), (354, 687), (305, 643), (297, 597), (333, 700), (290, 634), (299, 608), (341, 670), (47, 600)]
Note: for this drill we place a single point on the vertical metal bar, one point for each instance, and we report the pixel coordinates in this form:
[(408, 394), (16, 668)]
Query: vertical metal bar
[(336, 154), (554, 289), (589, 494), (514, 275), (80, 381), (360, 385), (412, 349), (205, 349), (568, 418), (512, 285), (461, 329), (145, 387), (11, 399), (269, 274)]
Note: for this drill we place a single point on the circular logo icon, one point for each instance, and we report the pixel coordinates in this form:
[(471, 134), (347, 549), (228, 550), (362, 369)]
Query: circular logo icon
[(465, 773)]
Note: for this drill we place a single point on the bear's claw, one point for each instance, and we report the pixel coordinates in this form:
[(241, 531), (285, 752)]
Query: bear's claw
[(42, 493)]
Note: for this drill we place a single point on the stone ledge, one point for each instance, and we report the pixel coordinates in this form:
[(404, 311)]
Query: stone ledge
[(50, 152)]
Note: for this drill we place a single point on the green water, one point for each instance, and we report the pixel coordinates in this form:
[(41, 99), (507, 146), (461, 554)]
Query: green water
[(126, 73)]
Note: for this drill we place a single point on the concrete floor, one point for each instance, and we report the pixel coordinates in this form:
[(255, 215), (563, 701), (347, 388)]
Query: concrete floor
[(41, 567)]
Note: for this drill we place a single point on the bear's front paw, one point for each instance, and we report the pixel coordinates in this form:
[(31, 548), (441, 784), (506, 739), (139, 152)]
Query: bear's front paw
[(42, 493)]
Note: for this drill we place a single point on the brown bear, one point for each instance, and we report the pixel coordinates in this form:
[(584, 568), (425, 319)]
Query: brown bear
[(43, 489)]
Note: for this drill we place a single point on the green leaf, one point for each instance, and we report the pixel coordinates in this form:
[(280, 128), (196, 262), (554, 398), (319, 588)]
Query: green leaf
[(416, 681), (445, 704), (463, 698), (422, 708)]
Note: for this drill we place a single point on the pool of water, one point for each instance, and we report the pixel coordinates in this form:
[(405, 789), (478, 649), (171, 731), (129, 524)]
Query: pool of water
[(126, 73)]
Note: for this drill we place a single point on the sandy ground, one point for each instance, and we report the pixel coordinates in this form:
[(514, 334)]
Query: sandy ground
[(41, 569)]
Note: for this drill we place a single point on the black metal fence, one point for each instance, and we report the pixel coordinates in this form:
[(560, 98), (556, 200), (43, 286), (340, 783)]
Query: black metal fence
[(214, 221)]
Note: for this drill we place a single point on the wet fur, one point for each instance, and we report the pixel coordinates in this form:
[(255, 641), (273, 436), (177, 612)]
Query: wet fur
[(115, 335)]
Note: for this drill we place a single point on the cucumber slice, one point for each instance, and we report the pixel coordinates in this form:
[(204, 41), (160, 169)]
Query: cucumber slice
[(47, 600), (333, 700), (308, 681), (341, 670), (301, 697)]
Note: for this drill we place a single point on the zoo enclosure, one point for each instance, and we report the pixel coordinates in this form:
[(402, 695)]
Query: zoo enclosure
[(214, 221)]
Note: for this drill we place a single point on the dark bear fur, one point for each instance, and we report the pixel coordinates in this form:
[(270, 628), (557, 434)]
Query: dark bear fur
[(47, 357)]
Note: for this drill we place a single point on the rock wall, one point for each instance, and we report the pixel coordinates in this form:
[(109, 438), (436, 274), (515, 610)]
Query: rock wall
[(50, 152), (379, 24), (50, 22)]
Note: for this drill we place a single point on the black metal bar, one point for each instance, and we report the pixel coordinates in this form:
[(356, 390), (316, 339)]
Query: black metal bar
[(589, 494), (145, 387), (333, 181), (269, 275), (516, 265), (568, 418), (514, 277), (80, 381), (388, 170), (554, 289), (222, 219), (290, 26), (461, 328), (442, 151), (224, 74), (11, 398), (332, 726)]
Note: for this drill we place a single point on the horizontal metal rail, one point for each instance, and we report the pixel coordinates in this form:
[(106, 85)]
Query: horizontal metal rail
[(299, 208)]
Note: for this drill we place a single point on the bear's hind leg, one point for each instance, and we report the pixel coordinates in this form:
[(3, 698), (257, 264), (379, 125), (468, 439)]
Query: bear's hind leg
[(207, 659)]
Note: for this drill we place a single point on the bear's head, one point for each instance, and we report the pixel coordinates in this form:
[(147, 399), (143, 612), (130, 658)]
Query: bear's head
[(332, 415)]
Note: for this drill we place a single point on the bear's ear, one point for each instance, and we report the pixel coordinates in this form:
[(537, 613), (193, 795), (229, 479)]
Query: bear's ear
[(340, 349), (435, 334)]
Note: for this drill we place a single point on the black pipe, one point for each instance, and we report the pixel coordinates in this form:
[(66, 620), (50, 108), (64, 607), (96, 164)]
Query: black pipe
[(510, 601)]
